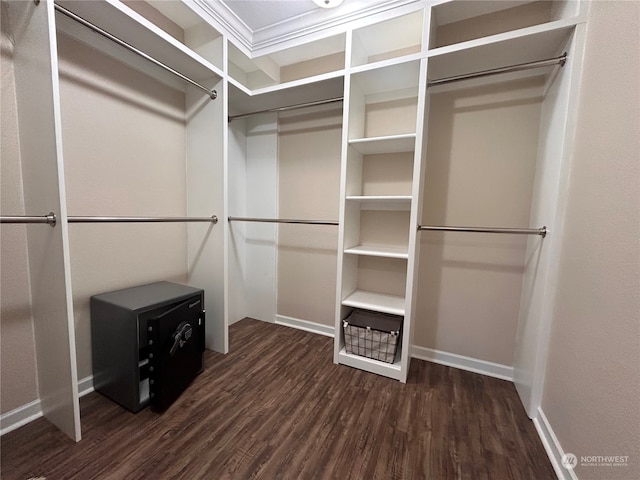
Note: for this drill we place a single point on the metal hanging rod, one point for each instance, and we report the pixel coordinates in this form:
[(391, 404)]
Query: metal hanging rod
[(514, 231), (287, 108), (561, 60), (49, 219), (213, 219), (282, 220), (211, 93)]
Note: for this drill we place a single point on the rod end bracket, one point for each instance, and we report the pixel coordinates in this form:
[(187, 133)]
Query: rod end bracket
[(563, 59)]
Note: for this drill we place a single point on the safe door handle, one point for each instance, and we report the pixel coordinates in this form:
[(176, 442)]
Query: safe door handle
[(180, 337)]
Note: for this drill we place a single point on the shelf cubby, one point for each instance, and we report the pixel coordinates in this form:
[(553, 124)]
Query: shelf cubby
[(382, 108), (462, 21), (286, 66), (387, 174), (397, 37), (512, 48), (375, 283), (383, 233)]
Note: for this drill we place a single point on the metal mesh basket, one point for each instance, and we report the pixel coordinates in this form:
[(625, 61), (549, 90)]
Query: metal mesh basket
[(372, 335)]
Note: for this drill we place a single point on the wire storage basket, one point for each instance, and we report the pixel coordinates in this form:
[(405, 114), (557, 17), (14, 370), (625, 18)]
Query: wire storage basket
[(372, 335)]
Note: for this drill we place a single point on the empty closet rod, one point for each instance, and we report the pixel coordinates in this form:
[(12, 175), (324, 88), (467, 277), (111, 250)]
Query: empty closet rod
[(282, 220), (49, 219), (287, 108), (212, 93), (514, 231), (213, 219), (561, 60)]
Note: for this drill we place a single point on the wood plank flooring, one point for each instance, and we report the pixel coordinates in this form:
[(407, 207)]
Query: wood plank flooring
[(277, 407)]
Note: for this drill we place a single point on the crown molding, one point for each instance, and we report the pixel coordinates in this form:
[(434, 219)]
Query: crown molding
[(316, 23), (225, 20)]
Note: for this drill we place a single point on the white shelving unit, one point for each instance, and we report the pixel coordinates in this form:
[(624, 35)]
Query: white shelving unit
[(384, 111)]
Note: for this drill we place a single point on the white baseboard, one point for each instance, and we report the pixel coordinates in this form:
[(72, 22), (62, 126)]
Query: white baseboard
[(20, 416), (31, 411), (470, 364), (552, 446), (305, 325), (85, 386)]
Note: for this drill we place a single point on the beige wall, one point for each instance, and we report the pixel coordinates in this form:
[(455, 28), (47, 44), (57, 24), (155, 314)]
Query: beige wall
[(592, 385), (18, 380), (479, 171), (317, 66), (309, 187), (124, 153), (521, 16)]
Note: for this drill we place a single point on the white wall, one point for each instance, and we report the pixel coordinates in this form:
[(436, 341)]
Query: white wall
[(592, 385)]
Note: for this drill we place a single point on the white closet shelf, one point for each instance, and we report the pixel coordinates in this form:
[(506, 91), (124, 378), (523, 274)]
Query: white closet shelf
[(321, 87), (382, 202), (377, 302), (391, 370), (511, 48), (379, 251), (387, 144), (124, 23), (387, 63)]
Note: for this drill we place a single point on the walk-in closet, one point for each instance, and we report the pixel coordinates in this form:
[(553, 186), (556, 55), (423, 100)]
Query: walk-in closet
[(406, 162)]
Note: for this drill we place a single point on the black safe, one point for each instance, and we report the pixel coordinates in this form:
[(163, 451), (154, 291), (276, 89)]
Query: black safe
[(147, 342)]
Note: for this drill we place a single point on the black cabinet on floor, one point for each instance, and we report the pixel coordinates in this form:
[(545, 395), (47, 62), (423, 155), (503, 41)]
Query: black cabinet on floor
[(147, 343)]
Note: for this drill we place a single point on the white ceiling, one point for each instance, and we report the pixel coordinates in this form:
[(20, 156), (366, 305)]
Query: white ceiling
[(261, 25)]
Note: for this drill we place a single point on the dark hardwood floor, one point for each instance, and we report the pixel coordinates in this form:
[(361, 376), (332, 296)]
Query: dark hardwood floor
[(277, 407)]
